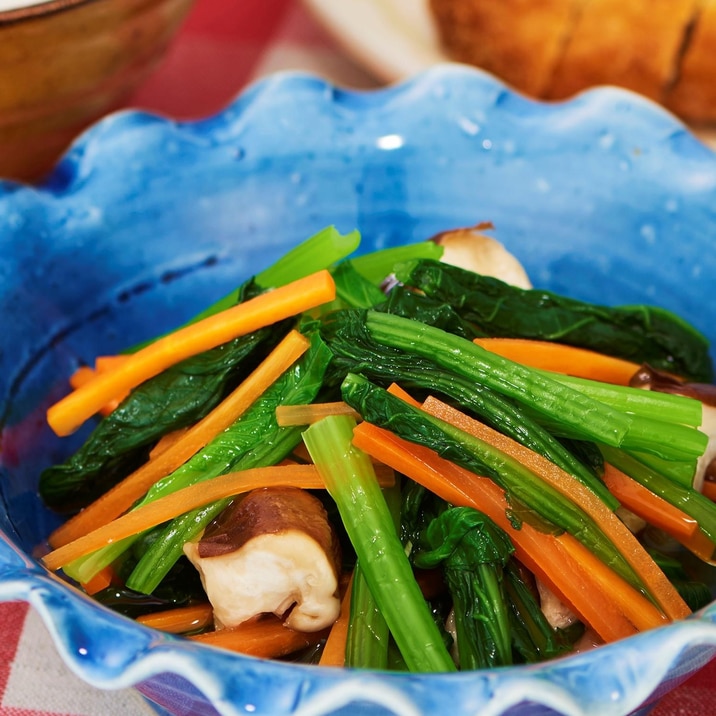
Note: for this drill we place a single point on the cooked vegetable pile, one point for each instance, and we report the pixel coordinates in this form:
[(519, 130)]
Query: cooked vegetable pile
[(393, 461)]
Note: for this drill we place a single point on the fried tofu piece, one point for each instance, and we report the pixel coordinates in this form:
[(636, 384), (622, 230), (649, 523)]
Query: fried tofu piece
[(520, 41), (553, 49), (693, 92), (635, 45)]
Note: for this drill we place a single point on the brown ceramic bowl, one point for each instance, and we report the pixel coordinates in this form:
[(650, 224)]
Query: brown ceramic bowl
[(65, 63)]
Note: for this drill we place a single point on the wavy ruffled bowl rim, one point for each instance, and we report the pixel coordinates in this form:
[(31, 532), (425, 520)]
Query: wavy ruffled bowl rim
[(79, 627)]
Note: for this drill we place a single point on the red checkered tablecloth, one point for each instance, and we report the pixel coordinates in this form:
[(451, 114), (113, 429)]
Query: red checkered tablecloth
[(223, 45)]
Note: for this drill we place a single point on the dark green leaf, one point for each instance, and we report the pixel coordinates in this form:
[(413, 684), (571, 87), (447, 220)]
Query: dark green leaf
[(643, 334)]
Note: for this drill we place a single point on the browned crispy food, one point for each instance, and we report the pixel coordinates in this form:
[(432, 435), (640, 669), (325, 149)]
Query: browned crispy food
[(633, 44), (552, 49), (518, 40), (693, 92)]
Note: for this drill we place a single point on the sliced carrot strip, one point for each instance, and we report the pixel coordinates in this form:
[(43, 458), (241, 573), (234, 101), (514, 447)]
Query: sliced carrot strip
[(189, 498), (177, 503), (543, 554), (123, 495), (398, 392), (180, 620), (650, 507), (266, 637), (103, 579), (562, 358), (69, 413), (83, 374), (102, 364), (334, 651), (659, 513), (306, 414), (635, 607), (638, 558), (709, 490), (167, 441)]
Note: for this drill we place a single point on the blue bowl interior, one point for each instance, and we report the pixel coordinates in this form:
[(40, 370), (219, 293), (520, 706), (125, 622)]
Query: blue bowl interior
[(146, 221)]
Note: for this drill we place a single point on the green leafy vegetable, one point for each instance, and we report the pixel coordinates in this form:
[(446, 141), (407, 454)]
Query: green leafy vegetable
[(473, 551), (522, 486), (176, 398), (581, 415), (237, 448), (354, 290), (356, 351), (643, 334), (351, 481)]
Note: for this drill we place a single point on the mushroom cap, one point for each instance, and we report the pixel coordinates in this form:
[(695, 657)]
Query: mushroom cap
[(271, 551)]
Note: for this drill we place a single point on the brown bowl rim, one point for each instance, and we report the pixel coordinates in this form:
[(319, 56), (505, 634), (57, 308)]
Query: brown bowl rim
[(48, 7)]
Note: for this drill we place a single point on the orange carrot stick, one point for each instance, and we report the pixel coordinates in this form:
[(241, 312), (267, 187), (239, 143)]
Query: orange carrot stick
[(398, 392), (266, 637), (545, 555), (306, 414), (123, 495), (709, 490), (177, 503), (69, 413), (658, 512), (167, 441), (102, 364), (83, 374), (103, 579), (562, 358), (189, 498), (650, 507), (615, 530), (635, 607), (334, 651), (180, 620)]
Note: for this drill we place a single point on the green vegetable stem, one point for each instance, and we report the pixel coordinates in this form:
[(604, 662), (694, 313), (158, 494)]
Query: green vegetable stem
[(368, 639), (350, 480), (522, 486), (355, 351), (581, 415)]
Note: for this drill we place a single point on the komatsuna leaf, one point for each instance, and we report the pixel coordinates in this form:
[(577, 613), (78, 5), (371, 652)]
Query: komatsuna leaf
[(639, 333)]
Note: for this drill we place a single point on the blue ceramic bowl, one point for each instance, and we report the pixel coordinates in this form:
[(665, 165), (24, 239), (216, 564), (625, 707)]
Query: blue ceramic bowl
[(605, 197)]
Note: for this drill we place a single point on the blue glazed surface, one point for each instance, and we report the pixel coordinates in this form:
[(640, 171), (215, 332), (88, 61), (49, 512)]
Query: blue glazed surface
[(605, 197)]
